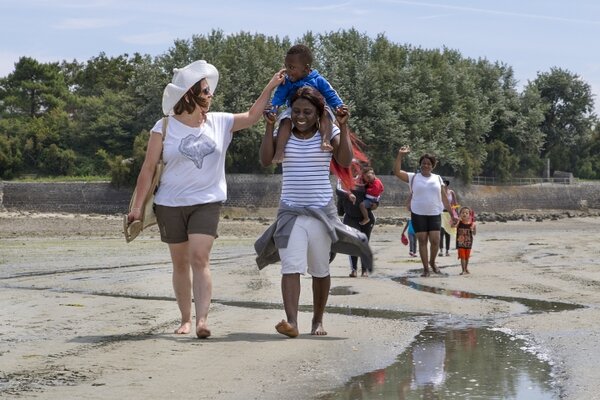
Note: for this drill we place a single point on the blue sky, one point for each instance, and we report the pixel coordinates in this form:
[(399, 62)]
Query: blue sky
[(529, 35)]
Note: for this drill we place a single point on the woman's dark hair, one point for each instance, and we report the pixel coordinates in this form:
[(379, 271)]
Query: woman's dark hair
[(190, 100), (313, 96), (302, 51), (346, 175), (430, 157)]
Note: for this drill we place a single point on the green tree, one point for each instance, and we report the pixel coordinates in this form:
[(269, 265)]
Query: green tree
[(568, 119), (32, 89)]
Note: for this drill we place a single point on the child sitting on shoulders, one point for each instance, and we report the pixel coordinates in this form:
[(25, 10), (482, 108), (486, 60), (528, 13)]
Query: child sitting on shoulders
[(299, 73)]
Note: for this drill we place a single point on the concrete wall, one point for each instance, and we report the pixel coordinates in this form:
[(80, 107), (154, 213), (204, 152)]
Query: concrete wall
[(263, 191)]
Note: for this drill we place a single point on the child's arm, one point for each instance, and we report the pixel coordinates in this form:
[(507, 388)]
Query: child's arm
[(281, 93), (474, 228), (405, 228), (331, 97)]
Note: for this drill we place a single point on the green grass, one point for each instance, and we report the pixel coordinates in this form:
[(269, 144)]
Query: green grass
[(35, 178)]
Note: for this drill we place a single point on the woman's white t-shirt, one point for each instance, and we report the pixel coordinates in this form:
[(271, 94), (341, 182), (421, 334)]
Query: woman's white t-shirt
[(194, 161), (427, 194)]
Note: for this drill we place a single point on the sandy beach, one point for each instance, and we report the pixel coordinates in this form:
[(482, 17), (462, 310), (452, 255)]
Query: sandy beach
[(86, 316)]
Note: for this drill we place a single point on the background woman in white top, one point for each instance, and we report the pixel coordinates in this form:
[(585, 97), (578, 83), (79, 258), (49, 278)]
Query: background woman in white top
[(193, 186), (307, 206), (428, 200)]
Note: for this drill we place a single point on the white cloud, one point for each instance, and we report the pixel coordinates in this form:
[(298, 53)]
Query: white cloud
[(328, 7), (155, 38), (494, 12), (87, 23)]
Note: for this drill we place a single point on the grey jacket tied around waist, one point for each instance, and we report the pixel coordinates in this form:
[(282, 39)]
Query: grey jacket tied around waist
[(344, 239)]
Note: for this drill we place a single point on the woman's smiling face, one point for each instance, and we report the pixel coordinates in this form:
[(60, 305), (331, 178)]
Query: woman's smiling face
[(426, 166), (304, 115)]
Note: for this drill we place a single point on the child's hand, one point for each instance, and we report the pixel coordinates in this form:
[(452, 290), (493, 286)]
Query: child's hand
[(270, 115), (352, 198), (342, 114), (341, 110), (277, 79)]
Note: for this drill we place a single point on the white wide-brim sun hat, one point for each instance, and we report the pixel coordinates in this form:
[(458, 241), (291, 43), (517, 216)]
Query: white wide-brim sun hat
[(186, 77)]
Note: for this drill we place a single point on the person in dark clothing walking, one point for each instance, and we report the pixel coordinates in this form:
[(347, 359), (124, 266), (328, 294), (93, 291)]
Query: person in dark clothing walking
[(348, 205)]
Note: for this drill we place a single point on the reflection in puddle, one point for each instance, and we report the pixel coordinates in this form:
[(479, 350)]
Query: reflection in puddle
[(475, 363), (534, 306)]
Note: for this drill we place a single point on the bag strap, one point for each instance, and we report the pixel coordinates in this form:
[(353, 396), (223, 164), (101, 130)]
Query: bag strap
[(412, 179), (165, 122)]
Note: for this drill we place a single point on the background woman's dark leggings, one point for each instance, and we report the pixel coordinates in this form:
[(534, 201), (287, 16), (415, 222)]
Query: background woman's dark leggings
[(446, 235)]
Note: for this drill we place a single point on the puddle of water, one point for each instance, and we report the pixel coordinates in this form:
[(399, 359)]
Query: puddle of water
[(360, 312), (342, 291), (534, 306), (471, 362)]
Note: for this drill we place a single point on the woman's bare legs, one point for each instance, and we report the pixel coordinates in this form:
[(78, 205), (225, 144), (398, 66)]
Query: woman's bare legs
[(290, 291), (320, 288), (200, 247), (428, 260), (434, 242), (182, 284), (422, 240), (191, 273)]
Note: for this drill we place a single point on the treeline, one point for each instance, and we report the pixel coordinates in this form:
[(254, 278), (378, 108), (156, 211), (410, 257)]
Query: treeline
[(92, 118)]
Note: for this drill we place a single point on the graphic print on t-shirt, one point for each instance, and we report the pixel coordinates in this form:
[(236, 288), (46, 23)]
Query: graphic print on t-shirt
[(196, 148)]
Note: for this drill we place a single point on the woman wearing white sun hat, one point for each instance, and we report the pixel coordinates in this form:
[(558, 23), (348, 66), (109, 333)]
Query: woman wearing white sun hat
[(193, 186)]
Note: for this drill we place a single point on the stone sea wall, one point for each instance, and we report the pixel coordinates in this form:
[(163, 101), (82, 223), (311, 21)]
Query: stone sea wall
[(263, 191)]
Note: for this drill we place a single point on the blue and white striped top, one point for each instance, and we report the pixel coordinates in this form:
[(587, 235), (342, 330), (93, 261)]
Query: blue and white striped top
[(306, 172)]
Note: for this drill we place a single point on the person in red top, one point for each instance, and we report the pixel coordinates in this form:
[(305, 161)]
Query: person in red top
[(373, 189)]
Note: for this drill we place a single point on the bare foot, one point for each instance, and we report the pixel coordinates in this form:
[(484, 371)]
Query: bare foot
[(317, 329), (425, 273), (325, 146), (184, 329), (364, 221), (467, 271), (287, 329), (202, 332), (434, 268)]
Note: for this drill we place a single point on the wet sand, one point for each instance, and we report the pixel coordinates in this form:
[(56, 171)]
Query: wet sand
[(85, 315)]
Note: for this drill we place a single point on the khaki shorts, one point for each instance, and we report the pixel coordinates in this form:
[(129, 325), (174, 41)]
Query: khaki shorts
[(308, 248), (176, 223)]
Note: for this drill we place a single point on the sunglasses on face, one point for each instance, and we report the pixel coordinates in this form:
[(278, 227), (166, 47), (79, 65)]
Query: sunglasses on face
[(205, 91)]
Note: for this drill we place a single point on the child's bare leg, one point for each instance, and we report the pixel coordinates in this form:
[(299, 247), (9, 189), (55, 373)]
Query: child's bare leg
[(326, 128), (283, 135), (463, 265), (364, 212)]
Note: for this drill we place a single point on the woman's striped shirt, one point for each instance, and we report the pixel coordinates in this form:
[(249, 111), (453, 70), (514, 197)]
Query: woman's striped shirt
[(306, 172)]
